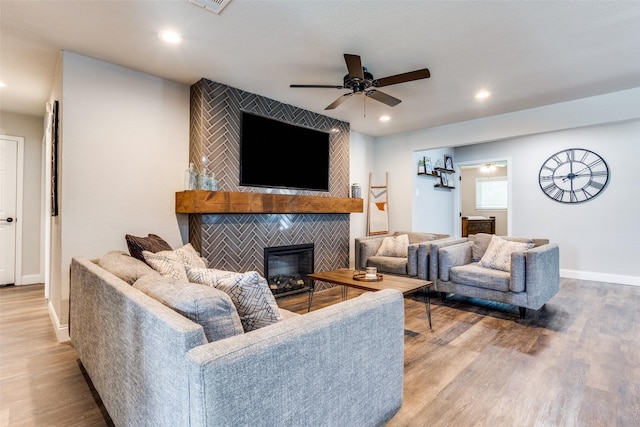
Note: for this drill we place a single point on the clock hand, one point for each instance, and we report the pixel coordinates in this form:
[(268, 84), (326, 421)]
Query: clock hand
[(574, 175)]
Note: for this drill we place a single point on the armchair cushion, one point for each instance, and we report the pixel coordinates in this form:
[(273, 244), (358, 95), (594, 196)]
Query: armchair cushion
[(388, 264), (394, 246), (453, 256), (475, 275), (498, 254)]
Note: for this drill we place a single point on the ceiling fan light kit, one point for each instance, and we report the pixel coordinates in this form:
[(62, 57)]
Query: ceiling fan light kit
[(360, 81)]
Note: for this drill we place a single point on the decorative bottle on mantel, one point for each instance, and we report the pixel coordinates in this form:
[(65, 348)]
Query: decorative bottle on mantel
[(191, 178), (213, 182)]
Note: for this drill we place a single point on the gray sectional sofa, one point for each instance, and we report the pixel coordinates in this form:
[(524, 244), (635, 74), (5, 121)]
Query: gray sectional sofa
[(152, 366)]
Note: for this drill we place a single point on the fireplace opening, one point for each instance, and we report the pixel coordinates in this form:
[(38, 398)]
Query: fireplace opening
[(286, 269)]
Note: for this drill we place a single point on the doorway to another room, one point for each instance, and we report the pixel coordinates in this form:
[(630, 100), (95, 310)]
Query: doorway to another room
[(484, 193)]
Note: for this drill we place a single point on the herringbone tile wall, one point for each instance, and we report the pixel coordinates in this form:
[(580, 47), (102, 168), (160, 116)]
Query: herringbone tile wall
[(236, 242)]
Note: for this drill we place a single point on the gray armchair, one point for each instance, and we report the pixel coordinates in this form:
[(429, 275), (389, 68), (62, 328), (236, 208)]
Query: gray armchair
[(533, 277), (367, 247)]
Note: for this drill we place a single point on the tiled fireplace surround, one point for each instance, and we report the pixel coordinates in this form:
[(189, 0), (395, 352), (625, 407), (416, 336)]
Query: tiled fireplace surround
[(236, 241)]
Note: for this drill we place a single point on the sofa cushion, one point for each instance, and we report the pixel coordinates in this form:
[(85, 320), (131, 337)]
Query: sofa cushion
[(124, 266), (172, 263), (209, 307), (152, 243), (480, 244), (498, 254), (388, 264), (416, 237), (475, 275), (394, 246), (249, 292)]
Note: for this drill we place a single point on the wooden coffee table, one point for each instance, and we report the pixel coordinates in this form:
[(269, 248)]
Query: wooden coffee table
[(406, 285)]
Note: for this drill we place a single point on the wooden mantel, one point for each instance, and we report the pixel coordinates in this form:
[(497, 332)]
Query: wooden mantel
[(212, 202)]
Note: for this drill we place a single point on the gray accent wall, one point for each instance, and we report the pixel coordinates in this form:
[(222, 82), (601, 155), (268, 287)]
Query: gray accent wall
[(236, 241)]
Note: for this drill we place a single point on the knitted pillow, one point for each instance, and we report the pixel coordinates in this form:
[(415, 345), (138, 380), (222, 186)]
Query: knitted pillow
[(498, 254), (172, 263), (249, 292), (395, 246)]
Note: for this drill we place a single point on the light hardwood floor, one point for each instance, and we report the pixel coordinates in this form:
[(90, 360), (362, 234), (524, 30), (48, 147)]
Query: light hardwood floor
[(576, 362)]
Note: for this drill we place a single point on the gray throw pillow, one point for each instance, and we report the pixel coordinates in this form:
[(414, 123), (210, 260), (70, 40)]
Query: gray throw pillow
[(207, 306), (480, 244), (124, 266)]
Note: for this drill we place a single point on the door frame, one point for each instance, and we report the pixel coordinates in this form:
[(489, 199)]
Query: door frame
[(458, 199), (17, 271)]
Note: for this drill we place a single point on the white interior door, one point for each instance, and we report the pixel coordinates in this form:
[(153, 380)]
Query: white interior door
[(8, 193)]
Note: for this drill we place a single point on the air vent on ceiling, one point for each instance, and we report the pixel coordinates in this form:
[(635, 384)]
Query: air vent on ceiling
[(214, 6)]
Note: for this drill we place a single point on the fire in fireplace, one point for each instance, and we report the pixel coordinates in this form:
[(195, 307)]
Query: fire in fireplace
[(286, 269)]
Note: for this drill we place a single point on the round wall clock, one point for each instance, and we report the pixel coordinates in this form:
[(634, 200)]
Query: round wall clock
[(574, 175)]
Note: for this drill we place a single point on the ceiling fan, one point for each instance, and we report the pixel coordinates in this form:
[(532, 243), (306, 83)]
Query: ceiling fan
[(360, 80)]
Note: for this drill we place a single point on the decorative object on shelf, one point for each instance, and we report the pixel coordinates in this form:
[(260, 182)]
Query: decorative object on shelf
[(574, 175), (421, 169), (207, 182), (439, 164), (448, 162), (191, 177), (444, 179), (356, 191), (428, 167)]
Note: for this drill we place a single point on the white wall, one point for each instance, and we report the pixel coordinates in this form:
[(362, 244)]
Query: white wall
[(395, 153), (124, 148), (360, 164), (432, 207), (596, 238), (31, 129)]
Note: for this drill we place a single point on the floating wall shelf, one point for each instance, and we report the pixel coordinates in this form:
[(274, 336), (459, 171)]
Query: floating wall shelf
[(211, 202)]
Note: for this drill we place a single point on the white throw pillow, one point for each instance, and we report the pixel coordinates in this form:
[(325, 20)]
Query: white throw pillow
[(249, 292), (172, 263), (498, 254), (395, 246)]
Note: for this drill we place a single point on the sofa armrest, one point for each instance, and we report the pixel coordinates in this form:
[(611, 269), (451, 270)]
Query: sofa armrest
[(412, 259), (452, 256), (367, 247), (306, 365), (542, 274), (433, 269)]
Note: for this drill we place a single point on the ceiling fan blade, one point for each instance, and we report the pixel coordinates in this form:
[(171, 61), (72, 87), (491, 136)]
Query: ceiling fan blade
[(383, 97), (338, 101), (354, 65), (319, 86), (404, 77)]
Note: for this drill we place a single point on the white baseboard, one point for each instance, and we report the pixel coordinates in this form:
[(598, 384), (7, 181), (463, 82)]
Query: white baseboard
[(62, 332), (32, 279), (601, 277)]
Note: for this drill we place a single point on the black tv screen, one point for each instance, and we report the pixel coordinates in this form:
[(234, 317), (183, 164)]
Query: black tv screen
[(281, 155)]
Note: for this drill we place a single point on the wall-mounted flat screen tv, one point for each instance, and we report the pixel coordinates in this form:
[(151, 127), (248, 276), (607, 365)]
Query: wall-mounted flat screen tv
[(281, 155)]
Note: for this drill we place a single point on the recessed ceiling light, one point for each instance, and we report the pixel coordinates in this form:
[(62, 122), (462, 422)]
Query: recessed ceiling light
[(483, 94), (2, 84), (385, 118), (170, 37)]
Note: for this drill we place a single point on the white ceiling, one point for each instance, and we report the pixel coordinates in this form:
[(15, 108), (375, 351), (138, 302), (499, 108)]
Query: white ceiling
[(527, 53)]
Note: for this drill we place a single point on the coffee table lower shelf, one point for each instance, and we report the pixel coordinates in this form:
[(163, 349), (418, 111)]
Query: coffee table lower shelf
[(406, 285)]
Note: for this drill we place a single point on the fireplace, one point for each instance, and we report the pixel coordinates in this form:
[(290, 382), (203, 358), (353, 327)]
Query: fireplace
[(286, 269)]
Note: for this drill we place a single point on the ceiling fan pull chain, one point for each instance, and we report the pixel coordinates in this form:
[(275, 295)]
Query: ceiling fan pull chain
[(364, 106)]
